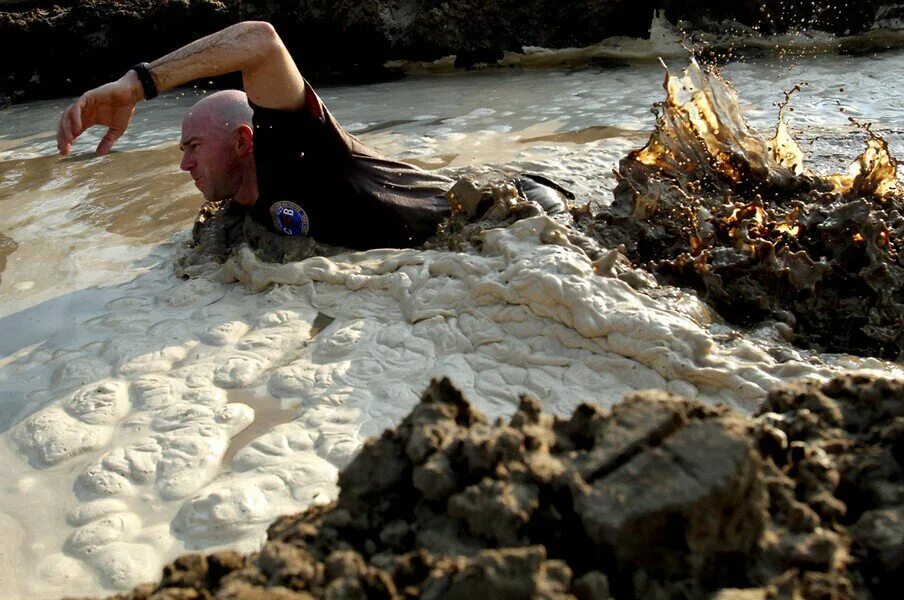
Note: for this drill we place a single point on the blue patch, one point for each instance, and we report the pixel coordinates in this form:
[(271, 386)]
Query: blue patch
[(290, 219)]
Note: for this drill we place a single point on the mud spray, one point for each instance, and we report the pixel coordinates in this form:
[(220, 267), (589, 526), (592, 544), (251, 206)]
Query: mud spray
[(711, 204)]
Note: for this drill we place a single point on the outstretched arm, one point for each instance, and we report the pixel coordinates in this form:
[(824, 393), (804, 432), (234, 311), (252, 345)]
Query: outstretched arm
[(270, 77)]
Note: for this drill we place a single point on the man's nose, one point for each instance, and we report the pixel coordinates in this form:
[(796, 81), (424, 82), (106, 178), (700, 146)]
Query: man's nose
[(187, 164)]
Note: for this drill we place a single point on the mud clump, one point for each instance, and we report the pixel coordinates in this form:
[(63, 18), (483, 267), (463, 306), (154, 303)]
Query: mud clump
[(662, 497), (710, 204), (223, 228)]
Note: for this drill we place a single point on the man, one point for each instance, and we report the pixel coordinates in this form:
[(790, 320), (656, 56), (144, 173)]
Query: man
[(274, 149)]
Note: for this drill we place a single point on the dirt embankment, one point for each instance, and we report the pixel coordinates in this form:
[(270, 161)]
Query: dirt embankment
[(662, 497), (63, 47)]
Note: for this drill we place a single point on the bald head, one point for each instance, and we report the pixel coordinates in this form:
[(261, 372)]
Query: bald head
[(221, 112), (217, 147)]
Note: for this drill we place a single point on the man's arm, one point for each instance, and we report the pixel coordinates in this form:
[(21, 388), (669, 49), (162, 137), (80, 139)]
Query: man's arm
[(270, 77)]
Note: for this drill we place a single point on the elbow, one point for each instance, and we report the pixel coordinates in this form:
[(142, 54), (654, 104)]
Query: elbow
[(264, 36)]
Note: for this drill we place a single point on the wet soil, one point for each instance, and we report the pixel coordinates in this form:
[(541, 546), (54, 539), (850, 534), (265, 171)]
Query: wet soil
[(662, 497)]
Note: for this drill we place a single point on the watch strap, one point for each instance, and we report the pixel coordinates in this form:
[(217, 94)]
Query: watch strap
[(143, 70)]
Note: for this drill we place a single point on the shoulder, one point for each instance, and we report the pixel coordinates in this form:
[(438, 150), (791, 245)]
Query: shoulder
[(312, 111)]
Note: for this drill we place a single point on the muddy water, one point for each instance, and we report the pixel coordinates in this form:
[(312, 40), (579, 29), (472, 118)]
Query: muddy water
[(75, 222), (88, 295), (269, 412)]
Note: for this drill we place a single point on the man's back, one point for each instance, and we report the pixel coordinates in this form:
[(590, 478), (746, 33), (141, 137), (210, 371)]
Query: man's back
[(316, 179)]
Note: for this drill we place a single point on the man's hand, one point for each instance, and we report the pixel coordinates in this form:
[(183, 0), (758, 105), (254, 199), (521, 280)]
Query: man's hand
[(270, 77), (110, 105)]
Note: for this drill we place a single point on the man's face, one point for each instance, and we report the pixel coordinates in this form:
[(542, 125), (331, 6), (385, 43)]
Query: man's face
[(210, 156)]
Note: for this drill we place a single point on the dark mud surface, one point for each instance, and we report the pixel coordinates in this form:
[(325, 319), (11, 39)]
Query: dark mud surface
[(63, 47), (712, 205), (662, 497)]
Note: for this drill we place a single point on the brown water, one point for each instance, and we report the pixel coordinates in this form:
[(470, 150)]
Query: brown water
[(7, 247), (268, 413), (136, 194), (70, 223)]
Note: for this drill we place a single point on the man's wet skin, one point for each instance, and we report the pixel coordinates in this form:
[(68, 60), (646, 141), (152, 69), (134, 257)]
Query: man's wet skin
[(218, 148)]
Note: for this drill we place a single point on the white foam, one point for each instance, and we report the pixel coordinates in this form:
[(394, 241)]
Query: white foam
[(129, 431)]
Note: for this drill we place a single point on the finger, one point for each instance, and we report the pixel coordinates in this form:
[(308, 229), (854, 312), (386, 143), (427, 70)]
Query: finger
[(71, 125), (107, 142), (75, 121), (64, 134), (77, 109)]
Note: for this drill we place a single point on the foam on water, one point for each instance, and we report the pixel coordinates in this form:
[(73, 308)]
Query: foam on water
[(124, 429), (126, 434)]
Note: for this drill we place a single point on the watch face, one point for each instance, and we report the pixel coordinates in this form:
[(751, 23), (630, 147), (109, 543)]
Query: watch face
[(290, 219)]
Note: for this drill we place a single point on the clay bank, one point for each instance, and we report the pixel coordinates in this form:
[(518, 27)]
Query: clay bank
[(47, 46)]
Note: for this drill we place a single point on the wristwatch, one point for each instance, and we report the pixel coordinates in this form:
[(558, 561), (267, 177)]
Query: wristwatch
[(143, 70)]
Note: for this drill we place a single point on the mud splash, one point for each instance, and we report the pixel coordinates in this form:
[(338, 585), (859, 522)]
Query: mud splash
[(711, 204), (662, 497)]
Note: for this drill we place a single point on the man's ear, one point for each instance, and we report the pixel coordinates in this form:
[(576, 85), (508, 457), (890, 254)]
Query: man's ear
[(244, 140)]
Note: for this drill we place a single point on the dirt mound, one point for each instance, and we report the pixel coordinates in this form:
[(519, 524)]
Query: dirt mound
[(662, 497), (710, 204)]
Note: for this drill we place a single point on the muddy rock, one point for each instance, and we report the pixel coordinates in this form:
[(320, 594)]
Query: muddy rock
[(661, 497)]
